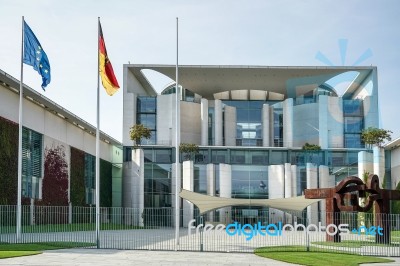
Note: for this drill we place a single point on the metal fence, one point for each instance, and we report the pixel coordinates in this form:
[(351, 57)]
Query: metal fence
[(153, 229)]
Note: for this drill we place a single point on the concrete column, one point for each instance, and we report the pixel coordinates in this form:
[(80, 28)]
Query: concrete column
[(211, 186), (230, 126), (288, 189), (288, 123), (288, 180), (325, 181), (276, 190), (332, 122), (323, 121), (218, 122), (210, 180), (312, 182), (265, 115), (129, 116), (165, 120), (133, 188), (225, 184), (379, 163), (204, 122), (188, 184), (293, 168), (365, 164)]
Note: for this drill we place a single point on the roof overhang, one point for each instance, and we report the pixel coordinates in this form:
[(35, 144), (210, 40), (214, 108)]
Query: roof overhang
[(209, 80), (13, 84), (394, 144), (207, 203)]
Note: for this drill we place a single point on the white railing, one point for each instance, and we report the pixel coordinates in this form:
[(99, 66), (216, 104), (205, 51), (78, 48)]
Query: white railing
[(153, 229)]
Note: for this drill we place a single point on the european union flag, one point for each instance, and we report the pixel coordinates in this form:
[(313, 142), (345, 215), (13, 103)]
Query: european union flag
[(35, 56)]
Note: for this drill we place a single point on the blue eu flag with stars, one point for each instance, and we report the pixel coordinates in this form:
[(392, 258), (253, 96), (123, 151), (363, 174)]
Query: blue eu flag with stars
[(35, 56)]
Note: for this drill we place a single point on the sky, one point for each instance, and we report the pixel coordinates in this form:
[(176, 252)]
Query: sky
[(211, 32)]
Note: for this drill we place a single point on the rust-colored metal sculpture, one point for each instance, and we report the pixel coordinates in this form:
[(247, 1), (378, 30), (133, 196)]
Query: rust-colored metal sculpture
[(345, 197)]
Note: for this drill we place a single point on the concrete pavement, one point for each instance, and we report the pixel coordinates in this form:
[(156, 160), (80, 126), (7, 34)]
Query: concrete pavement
[(109, 257)]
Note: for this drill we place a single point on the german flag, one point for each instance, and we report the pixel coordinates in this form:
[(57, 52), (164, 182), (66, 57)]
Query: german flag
[(108, 78)]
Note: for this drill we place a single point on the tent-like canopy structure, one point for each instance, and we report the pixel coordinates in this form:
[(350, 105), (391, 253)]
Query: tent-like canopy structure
[(207, 203)]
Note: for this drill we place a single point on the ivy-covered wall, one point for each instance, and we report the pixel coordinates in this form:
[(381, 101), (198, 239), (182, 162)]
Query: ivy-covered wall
[(55, 180), (77, 176), (8, 162), (105, 183)]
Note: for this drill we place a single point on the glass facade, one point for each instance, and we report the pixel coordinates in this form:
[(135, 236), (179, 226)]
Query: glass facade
[(90, 178), (248, 122), (278, 127), (249, 182), (32, 146), (249, 169), (146, 115), (353, 123), (157, 176)]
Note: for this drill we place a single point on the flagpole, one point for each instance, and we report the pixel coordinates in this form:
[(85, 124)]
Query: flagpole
[(98, 142), (19, 186), (177, 140)]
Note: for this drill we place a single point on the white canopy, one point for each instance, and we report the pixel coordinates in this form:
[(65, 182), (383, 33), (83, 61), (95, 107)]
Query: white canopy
[(207, 203)]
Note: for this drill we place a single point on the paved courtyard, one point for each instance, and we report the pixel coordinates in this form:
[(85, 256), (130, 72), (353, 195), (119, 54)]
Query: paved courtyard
[(108, 257)]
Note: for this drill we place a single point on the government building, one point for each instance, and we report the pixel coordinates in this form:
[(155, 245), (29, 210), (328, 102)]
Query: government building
[(252, 125)]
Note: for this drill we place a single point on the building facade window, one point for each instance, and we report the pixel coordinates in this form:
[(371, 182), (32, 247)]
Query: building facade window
[(146, 115), (248, 122), (32, 147), (90, 177), (278, 127), (353, 123)]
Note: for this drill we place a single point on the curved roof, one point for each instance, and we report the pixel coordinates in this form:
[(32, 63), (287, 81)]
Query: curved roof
[(209, 80)]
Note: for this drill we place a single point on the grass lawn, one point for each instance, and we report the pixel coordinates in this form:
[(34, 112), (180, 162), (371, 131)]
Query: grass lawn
[(296, 254), (12, 254), (354, 244), (40, 246), (26, 249)]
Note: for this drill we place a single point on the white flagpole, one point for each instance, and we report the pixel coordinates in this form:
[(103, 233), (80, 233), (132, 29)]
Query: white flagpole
[(177, 142), (98, 142), (19, 186)]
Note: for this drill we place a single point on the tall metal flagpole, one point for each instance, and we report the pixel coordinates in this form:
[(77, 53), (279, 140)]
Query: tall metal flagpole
[(177, 142), (19, 186), (98, 142)]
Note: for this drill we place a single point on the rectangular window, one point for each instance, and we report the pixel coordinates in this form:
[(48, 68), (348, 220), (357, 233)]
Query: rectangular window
[(32, 145), (278, 157), (146, 115), (353, 124), (163, 155), (219, 156), (90, 184), (353, 141), (352, 107), (146, 105), (148, 120)]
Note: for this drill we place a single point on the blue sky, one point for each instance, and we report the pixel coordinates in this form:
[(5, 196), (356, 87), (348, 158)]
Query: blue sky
[(272, 33)]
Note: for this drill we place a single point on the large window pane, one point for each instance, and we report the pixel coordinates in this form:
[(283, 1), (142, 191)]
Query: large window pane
[(148, 120), (146, 104)]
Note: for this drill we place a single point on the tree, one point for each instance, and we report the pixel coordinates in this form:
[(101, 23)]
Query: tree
[(375, 136), (189, 149), (138, 132), (311, 147)]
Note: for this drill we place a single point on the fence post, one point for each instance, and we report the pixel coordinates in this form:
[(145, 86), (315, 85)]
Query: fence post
[(70, 212), (201, 233)]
